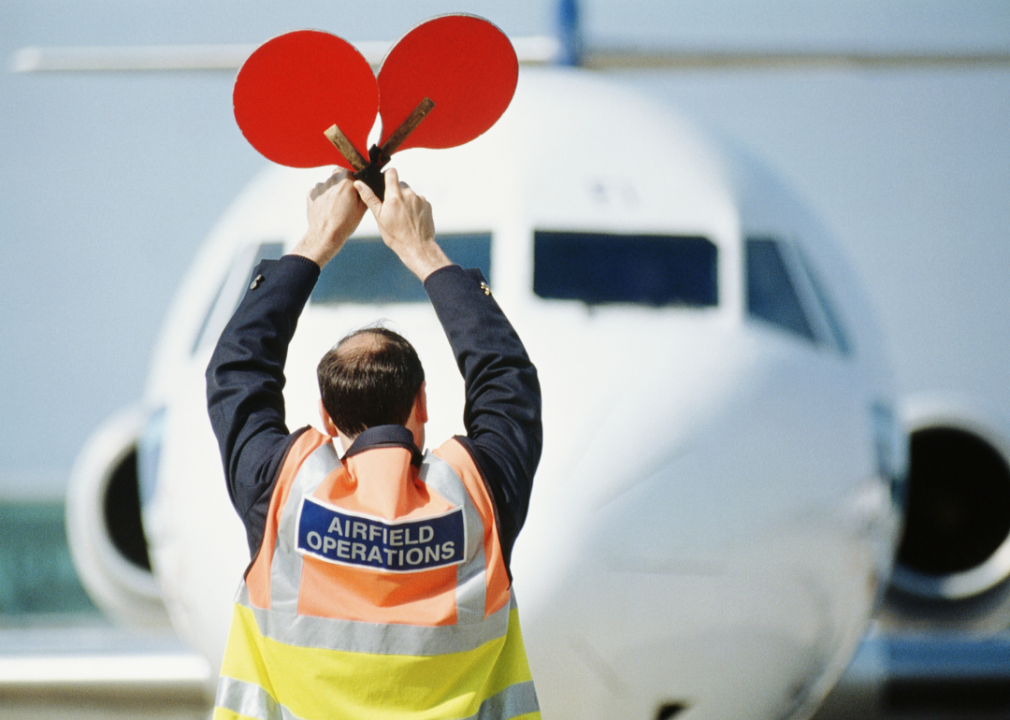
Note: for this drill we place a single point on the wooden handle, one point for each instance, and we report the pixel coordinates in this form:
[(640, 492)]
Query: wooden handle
[(407, 127), (346, 148), (370, 171)]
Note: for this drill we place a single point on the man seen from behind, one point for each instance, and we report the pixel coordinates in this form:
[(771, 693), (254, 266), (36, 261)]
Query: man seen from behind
[(380, 584)]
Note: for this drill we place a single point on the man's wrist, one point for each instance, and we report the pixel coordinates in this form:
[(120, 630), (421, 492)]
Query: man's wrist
[(431, 267), (426, 261), (319, 253)]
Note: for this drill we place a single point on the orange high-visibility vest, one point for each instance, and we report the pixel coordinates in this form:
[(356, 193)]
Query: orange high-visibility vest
[(380, 592)]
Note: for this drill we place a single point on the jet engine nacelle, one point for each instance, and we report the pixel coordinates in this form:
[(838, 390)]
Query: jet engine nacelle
[(104, 526), (953, 564)]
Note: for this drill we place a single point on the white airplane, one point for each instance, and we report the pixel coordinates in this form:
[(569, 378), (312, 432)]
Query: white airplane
[(715, 514), (716, 596)]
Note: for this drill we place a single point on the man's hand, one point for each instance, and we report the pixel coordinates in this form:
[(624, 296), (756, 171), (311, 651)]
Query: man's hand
[(406, 225), (334, 210)]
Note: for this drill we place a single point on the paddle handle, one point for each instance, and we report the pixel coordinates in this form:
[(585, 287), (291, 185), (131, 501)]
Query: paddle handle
[(408, 126), (370, 171), (372, 175), (345, 147)]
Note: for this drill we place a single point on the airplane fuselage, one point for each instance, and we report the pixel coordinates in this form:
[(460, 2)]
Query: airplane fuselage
[(714, 513)]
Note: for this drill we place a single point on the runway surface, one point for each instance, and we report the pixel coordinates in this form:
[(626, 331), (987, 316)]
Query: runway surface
[(925, 677), (100, 672), (88, 673)]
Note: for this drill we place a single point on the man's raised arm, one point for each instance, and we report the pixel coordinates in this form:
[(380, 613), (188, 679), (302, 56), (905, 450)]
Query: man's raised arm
[(334, 209), (245, 377), (502, 413)]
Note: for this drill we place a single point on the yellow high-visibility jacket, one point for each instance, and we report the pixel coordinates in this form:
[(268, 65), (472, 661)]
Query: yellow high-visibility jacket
[(379, 592)]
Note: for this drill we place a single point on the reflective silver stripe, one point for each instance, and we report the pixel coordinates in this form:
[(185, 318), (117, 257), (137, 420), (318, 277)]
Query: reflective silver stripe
[(249, 700), (317, 466), (255, 702), (376, 638), (286, 569), (513, 701), (471, 575)]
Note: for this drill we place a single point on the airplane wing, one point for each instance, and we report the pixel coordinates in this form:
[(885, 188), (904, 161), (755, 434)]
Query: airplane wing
[(100, 670), (532, 50)]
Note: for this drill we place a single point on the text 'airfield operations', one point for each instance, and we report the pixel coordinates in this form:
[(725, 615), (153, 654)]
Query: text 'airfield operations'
[(335, 536)]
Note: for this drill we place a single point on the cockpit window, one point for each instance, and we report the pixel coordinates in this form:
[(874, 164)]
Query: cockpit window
[(366, 271), (232, 290), (831, 316), (601, 268), (771, 295)]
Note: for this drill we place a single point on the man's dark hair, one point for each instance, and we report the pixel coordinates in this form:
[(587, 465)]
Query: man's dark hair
[(371, 377)]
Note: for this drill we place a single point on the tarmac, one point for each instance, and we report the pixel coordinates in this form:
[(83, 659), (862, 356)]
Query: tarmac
[(103, 673)]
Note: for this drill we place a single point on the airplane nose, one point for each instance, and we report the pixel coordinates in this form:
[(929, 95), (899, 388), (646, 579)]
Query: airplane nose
[(712, 491), (650, 433)]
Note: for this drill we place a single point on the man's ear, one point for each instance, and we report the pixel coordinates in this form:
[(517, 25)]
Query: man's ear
[(421, 405), (328, 424)]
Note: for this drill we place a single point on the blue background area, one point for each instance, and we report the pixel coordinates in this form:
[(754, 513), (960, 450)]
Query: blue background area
[(109, 182)]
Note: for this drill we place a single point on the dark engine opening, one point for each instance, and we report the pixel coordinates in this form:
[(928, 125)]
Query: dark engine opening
[(122, 512), (958, 510)]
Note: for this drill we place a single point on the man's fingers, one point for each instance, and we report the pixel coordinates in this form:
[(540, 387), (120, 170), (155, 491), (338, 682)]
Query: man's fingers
[(368, 197), (319, 189), (337, 177), (393, 183)]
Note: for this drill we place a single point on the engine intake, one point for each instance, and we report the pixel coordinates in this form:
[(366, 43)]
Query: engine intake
[(956, 543), (104, 525)]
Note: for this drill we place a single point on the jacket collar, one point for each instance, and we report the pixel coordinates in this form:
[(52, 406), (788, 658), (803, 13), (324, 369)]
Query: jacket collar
[(382, 436)]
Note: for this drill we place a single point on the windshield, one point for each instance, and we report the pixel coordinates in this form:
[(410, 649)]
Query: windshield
[(366, 271), (599, 268)]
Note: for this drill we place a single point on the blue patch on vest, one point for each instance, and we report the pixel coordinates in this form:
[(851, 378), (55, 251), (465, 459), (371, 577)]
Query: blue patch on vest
[(338, 536)]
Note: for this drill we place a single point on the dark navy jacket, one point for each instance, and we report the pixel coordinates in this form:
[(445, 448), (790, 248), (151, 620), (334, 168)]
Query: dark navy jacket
[(246, 376)]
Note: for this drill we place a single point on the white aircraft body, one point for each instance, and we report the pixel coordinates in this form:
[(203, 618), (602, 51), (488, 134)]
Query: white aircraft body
[(717, 507)]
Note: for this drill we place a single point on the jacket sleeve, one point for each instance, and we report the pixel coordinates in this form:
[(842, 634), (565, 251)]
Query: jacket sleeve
[(245, 379), (502, 411)]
